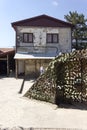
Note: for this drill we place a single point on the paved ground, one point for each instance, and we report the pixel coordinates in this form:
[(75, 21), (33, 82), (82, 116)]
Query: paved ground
[(15, 110)]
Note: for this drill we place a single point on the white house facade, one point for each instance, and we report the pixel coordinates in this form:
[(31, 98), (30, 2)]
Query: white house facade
[(38, 41)]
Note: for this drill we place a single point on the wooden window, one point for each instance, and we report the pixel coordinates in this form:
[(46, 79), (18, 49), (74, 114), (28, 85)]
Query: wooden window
[(28, 37), (52, 38)]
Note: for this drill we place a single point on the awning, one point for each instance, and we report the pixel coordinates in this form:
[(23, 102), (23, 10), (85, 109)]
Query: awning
[(33, 56)]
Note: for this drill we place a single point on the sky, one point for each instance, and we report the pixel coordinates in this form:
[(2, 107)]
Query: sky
[(15, 10)]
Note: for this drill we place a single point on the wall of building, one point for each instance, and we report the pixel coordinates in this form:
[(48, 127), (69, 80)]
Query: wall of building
[(32, 67), (39, 34), (21, 67), (65, 40)]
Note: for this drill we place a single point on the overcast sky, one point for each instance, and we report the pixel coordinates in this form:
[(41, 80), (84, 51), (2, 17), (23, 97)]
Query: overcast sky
[(15, 10)]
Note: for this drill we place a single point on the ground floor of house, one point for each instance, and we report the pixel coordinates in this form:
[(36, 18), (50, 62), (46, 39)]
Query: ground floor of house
[(30, 64), (30, 67)]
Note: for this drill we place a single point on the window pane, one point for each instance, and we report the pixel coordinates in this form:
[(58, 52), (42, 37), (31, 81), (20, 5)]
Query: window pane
[(55, 38), (49, 38), (30, 37), (25, 37)]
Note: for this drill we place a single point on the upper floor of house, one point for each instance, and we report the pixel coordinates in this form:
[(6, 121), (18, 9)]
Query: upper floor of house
[(42, 34)]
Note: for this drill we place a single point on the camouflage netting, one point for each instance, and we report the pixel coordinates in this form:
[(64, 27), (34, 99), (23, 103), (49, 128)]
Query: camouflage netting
[(65, 79)]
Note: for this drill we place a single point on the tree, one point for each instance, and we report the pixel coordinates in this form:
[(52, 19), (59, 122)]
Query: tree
[(79, 32)]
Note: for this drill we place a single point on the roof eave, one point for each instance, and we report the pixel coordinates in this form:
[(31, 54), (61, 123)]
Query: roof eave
[(21, 22)]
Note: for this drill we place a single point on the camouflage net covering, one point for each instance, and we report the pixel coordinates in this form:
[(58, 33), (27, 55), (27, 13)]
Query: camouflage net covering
[(65, 79)]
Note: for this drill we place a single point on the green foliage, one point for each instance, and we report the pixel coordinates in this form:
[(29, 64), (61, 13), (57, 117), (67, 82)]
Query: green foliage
[(79, 33)]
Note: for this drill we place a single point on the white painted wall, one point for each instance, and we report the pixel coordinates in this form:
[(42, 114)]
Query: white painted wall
[(20, 66)]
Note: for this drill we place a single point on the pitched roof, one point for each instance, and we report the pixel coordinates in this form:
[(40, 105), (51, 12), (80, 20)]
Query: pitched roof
[(42, 21), (5, 51)]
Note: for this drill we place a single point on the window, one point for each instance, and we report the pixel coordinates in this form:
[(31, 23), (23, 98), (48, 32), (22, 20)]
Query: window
[(52, 38), (28, 37)]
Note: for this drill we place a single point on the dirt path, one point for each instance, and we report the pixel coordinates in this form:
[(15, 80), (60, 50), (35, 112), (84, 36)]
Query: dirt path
[(16, 110)]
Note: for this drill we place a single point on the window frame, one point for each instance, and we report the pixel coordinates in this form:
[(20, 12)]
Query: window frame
[(28, 41), (52, 35)]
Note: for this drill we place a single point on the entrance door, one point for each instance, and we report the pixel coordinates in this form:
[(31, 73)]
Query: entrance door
[(3, 67)]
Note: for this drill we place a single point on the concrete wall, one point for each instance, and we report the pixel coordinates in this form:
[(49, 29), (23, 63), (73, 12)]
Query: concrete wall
[(65, 40), (39, 34), (32, 67), (21, 67)]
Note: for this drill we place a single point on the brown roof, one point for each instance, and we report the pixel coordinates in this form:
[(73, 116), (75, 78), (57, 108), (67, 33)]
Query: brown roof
[(42, 21), (5, 51)]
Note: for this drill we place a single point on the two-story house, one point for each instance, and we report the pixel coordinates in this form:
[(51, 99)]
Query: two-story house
[(38, 40)]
